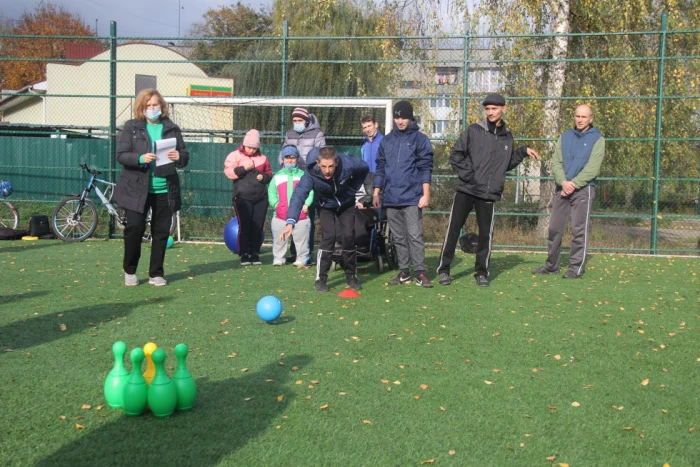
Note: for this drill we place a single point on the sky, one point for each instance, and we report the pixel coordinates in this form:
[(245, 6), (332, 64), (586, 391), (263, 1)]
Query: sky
[(142, 18)]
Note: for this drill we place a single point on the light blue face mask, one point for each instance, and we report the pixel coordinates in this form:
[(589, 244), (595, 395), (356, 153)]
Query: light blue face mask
[(299, 127), (290, 166), (153, 114)]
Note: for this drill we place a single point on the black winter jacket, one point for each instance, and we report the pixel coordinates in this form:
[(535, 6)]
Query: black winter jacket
[(481, 159), (132, 186)]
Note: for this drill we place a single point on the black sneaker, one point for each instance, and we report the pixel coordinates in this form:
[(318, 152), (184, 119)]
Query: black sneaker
[(255, 258), (572, 275), (245, 260), (353, 283), (290, 259), (544, 270), (401, 278), (423, 281), (321, 286), (444, 278), (482, 281)]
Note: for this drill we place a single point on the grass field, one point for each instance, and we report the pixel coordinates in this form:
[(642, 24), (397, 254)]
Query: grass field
[(603, 371)]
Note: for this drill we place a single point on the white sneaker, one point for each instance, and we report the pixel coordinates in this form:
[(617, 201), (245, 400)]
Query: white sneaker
[(299, 264), (130, 280), (157, 281), (278, 262)]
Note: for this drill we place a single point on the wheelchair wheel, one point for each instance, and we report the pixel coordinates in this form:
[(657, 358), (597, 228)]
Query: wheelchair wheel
[(380, 263), (392, 258)]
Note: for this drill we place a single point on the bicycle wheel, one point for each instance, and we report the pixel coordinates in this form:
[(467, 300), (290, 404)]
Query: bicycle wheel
[(73, 220), (9, 217)]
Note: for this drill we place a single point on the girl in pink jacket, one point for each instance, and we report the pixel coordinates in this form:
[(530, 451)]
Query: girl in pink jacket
[(251, 173)]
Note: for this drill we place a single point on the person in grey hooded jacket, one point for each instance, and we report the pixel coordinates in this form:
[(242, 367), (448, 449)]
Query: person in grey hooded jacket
[(305, 134)]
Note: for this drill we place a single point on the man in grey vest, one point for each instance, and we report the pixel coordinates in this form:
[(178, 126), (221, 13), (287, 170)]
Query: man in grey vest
[(575, 166)]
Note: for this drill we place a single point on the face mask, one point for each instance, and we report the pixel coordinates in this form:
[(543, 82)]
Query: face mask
[(290, 166), (299, 127), (153, 114)]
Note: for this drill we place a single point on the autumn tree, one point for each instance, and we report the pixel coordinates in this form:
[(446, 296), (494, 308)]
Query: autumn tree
[(227, 21), (320, 67), (597, 66), (47, 20)]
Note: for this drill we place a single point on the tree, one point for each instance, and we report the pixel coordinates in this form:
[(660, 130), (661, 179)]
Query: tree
[(227, 21), (47, 20), (601, 78), (319, 67)]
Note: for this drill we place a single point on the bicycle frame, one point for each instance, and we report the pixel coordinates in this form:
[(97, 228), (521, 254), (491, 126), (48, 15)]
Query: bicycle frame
[(105, 200)]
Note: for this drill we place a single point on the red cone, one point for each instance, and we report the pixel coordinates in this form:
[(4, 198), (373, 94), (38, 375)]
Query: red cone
[(348, 293)]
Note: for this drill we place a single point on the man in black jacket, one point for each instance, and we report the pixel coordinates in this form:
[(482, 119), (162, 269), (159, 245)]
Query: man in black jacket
[(481, 157)]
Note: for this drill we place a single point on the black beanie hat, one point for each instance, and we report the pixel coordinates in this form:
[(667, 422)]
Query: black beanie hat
[(494, 99), (403, 109)]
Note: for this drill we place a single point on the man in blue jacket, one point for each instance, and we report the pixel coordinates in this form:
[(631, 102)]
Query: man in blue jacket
[(373, 137), (404, 172), (335, 179)]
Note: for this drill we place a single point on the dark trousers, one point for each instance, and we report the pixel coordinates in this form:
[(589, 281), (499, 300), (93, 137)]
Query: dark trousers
[(251, 221), (461, 207), (328, 218), (160, 230)]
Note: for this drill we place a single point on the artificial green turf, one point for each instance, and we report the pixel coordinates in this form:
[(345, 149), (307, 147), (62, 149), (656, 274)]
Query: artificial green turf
[(542, 342)]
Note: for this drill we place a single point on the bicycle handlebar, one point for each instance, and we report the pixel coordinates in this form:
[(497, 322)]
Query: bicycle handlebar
[(93, 172)]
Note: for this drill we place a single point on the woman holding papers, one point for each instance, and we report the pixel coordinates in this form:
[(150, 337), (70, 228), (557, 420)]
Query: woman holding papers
[(149, 181)]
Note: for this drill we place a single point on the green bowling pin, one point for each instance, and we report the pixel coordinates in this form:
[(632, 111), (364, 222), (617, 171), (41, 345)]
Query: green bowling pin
[(117, 378), (162, 395), (183, 380), (136, 389)]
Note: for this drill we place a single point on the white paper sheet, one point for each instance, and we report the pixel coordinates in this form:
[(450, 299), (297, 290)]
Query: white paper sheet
[(162, 148)]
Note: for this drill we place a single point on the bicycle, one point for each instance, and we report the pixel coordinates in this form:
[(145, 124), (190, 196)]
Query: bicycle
[(9, 216), (75, 217)]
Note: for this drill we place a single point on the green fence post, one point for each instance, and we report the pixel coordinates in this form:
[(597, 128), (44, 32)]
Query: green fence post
[(465, 77), (657, 135), (285, 55), (112, 107)]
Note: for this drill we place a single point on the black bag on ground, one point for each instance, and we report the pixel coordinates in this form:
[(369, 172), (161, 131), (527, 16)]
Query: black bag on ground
[(469, 242), (7, 233), (39, 225)]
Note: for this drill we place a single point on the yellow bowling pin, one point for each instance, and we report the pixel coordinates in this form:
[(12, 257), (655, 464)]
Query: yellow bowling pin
[(150, 367)]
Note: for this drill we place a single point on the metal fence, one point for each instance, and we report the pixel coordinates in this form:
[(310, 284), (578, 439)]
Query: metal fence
[(646, 103)]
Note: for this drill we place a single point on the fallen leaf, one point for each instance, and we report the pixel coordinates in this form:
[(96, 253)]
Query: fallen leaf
[(575, 404), (488, 382), (99, 407), (644, 382), (243, 370), (429, 461), (300, 382), (416, 397), (248, 399), (269, 380), (442, 409), (563, 464), (628, 428), (551, 458), (323, 407), (86, 407), (397, 382), (62, 417), (342, 393), (295, 368), (79, 427), (366, 422), (557, 357), (424, 386), (496, 334), (451, 452), (280, 398), (63, 327)]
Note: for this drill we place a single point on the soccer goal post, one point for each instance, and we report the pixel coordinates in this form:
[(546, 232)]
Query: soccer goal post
[(337, 116)]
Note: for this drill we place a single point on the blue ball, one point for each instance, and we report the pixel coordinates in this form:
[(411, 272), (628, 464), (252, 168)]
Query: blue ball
[(231, 235), (269, 308)]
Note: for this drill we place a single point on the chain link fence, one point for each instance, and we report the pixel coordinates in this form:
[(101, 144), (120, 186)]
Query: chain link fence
[(643, 87)]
